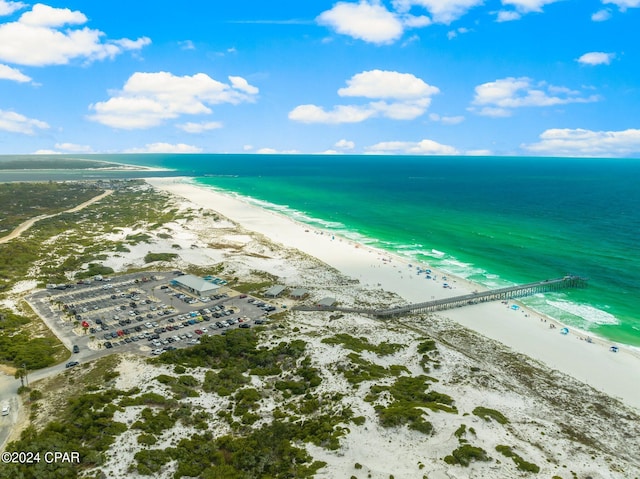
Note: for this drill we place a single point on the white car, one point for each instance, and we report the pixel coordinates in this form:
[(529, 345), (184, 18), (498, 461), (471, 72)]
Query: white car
[(5, 410)]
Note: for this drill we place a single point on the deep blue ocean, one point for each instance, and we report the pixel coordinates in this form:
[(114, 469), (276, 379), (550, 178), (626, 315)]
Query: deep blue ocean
[(493, 220)]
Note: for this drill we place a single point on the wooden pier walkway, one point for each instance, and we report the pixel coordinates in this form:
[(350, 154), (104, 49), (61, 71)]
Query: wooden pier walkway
[(501, 294)]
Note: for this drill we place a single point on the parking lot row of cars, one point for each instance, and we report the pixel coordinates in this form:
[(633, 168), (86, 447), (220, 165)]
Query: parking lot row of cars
[(123, 312)]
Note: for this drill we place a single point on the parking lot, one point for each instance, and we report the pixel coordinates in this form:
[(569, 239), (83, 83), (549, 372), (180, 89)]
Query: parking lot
[(142, 312)]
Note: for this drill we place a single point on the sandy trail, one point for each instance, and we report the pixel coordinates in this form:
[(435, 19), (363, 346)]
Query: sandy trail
[(30, 222)]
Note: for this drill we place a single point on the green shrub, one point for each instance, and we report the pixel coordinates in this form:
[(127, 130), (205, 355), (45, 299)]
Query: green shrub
[(362, 344), (35, 395), (147, 439), (465, 454), (520, 462), (152, 257), (488, 414)]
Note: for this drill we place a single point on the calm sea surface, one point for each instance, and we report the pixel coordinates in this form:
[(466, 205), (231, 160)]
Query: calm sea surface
[(493, 220)]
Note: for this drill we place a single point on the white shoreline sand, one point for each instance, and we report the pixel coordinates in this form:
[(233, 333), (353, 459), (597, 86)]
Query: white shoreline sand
[(524, 331)]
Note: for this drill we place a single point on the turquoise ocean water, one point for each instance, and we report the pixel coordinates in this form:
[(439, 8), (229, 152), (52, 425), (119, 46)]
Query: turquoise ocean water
[(493, 220)]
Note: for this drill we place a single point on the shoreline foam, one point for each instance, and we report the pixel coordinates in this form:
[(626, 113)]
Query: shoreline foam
[(523, 330)]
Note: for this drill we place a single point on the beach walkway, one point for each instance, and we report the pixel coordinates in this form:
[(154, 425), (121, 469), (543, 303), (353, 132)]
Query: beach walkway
[(501, 294)]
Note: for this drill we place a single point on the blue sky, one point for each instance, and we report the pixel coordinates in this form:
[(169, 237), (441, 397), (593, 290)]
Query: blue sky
[(467, 77)]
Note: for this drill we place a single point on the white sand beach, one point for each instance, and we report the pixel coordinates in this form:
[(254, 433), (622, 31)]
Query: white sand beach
[(524, 331)]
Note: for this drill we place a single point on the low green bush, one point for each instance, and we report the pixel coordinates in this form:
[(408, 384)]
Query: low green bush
[(519, 461), (487, 414), (465, 454)]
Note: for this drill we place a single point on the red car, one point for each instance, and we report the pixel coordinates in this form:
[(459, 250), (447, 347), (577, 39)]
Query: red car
[(199, 331)]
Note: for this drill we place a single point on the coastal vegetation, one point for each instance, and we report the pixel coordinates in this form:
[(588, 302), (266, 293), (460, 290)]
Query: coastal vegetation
[(21, 348), (362, 344), (519, 461), (466, 454), (487, 414), (65, 243), (153, 257), (23, 201)]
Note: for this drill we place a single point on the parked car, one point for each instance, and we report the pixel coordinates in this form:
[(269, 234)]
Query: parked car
[(71, 364)]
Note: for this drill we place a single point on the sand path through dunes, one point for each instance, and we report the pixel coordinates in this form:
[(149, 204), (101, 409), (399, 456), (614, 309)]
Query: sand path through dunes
[(30, 222)]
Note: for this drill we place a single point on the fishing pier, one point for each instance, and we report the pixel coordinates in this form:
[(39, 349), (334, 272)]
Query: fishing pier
[(501, 294)]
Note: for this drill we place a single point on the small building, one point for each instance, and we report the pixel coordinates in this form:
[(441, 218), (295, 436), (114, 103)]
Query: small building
[(274, 291), (195, 285), (326, 302), (299, 293)]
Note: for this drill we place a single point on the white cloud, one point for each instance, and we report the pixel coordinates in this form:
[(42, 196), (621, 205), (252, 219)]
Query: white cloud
[(508, 16), (165, 148), (241, 84), (446, 120), (45, 16), (521, 7), (423, 147), (7, 7), (247, 147), (601, 15), (596, 58), (46, 152), (478, 153), (370, 21), (345, 144), (8, 73), (38, 39), (366, 21), (400, 96), (442, 11), (187, 45), (339, 114), (148, 99), (272, 151), (404, 110), (623, 4), (454, 33), (61, 148), (413, 21), (387, 84), (526, 6), (17, 123), (499, 97), (73, 148), (581, 142), (191, 127)]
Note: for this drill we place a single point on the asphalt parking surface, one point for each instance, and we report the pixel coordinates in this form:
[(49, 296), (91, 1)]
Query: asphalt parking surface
[(140, 313)]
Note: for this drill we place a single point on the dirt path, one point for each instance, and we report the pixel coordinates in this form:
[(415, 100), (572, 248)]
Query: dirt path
[(30, 222)]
